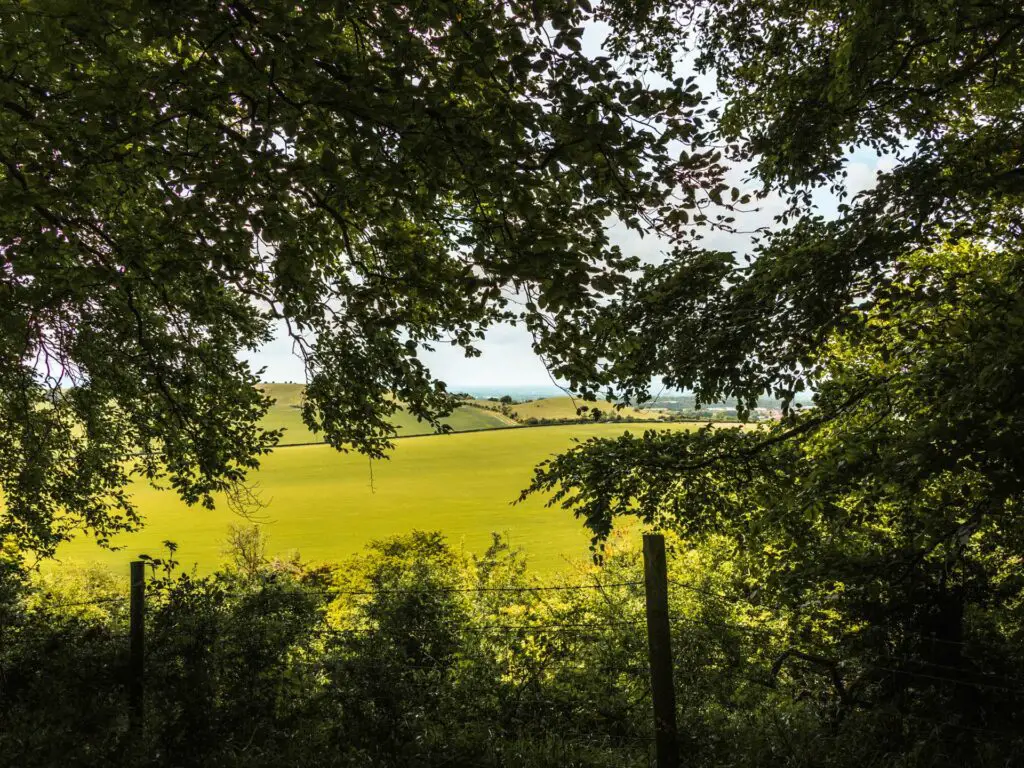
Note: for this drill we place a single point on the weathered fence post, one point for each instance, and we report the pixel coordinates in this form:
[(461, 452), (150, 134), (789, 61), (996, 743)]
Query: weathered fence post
[(137, 644), (659, 645)]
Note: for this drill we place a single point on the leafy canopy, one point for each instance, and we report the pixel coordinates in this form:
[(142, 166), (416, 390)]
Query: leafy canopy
[(884, 522), (377, 178), (937, 86)]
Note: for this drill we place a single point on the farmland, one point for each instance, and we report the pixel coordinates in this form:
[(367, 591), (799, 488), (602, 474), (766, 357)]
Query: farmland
[(286, 413), (565, 408), (327, 505)]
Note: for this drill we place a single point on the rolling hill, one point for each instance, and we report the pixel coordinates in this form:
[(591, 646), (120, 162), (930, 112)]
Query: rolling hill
[(286, 413), (565, 408)]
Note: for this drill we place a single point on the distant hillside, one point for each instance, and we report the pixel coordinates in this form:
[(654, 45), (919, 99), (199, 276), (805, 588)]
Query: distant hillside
[(476, 414), (285, 394), (286, 413), (565, 409), (689, 403)]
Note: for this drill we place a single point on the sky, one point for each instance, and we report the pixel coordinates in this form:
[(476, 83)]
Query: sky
[(507, 359)]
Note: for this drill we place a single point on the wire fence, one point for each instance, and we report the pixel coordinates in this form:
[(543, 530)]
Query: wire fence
[(574, 631), (598, 629)]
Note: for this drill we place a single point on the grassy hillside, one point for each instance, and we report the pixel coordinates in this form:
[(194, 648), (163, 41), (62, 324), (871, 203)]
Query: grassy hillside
[(565, 408), (284, 394), (327, 505), (287, 414)]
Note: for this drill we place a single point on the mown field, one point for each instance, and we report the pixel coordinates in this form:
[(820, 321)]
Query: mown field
[(327, 505), (566, 408), (286, 413)]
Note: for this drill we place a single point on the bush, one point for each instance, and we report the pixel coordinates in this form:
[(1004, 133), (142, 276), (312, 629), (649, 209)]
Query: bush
[(415, 653), (400, 656)]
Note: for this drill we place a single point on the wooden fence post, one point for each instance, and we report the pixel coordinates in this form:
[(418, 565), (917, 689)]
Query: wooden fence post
[(659, 645), (137, 644)]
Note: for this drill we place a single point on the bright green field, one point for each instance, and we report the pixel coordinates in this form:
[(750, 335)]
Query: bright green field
[(328, 505), (286, 413)]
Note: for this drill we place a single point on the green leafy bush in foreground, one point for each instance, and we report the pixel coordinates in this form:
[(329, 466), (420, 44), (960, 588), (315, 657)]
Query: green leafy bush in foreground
[(417, 654)]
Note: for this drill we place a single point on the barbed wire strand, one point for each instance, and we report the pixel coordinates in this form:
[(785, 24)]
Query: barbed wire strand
[(57, 603), (450, 590)]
